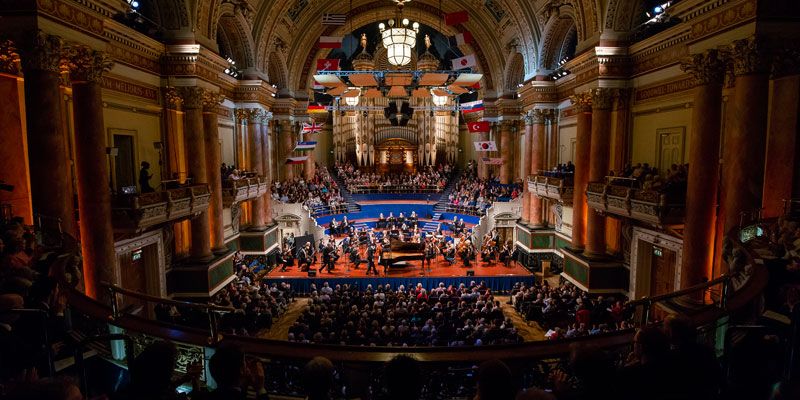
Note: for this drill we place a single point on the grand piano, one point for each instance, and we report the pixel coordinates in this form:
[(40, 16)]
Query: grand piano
[(399, 253)]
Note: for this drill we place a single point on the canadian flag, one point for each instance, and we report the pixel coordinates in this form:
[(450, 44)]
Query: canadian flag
[(467, 61), (478, 127)]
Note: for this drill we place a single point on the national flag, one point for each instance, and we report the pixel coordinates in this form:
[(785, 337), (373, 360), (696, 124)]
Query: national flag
[(330, 42), (468, 61), (476, 86), (458, 17), (312, 127), (328, 64), (472, 106), (478, 127), (492, 161), (485, 146), (461, 39), (333, 19), (305, 146), (296, 160), (315, 108)]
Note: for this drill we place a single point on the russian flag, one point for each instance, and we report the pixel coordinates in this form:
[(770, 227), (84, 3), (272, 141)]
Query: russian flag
[(472, 106), (330, 42)]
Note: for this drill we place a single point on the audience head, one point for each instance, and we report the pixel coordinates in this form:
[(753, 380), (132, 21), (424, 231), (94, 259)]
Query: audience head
[(495, 381), (650, 345), (318, 378), (151, 371), (45, 389), (403, 378), (228, 367)]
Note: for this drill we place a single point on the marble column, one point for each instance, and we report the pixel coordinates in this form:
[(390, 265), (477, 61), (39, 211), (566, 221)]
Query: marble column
[(602, 100), (287, 145), (91, 166), (211, 103), (267, 161), (196, 156), (49, 165), (506, 153), (526, 167), (14, 151), (708, 70), (255, 144), (552, 141), (537, 163), (582, 102), (745, 137), (782, 167)]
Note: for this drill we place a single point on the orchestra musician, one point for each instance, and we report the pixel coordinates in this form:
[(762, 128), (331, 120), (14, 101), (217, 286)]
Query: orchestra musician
[(392, 220), (450, 253), (505, 254), (430, 254), (466, 251), (371, 259), (381, 222), (286, 258), (304, 257)]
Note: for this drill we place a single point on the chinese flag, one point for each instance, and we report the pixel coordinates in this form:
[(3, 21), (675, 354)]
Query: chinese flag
[(478, 127), (459, 17), (328, 64)]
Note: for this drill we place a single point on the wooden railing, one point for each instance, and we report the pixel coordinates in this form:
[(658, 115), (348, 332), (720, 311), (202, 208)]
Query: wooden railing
[(556, 188), (651, 206), (138, 212), (236, 191)]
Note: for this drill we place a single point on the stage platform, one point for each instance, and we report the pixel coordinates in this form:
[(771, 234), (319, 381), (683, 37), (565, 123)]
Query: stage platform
[(496, 276)]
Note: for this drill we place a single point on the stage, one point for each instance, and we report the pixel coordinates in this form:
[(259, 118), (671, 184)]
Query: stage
[(496, 276)]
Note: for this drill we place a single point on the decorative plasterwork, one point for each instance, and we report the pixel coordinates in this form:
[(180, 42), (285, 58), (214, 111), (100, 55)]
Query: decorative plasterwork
[(707, 67), (45, 54), (86, 64), (9, 58)]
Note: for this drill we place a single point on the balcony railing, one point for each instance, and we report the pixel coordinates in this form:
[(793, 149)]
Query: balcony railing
[(138, 212), (651, 206), (236, 191), (556, 188)]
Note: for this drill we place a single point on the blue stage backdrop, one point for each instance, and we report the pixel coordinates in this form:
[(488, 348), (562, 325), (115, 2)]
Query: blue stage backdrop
[(373, 211), (496, 283)]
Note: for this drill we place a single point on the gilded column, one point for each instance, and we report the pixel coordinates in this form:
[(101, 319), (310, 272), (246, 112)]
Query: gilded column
[(602, 100), (552, 141), (782, 169), (51, 183), (287, 144), (506, 149), (196, 156), (745, 138), (527, 118), (91, 166), (537, 163), (267, 161), (708, 70), (583, 141), (211, 103)]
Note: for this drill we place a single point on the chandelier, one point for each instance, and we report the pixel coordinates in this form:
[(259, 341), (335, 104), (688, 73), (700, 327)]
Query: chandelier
[(437, 99), (399, 40)]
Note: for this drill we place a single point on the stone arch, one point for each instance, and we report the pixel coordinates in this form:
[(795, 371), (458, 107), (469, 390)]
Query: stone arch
[(207, 14), (276, 71), (557, 32), (515, 72), (172, 15), (240, 41), (621, 15)]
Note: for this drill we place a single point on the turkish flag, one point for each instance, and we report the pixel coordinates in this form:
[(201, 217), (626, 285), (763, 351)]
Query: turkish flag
[(478, 127), (328, 64)]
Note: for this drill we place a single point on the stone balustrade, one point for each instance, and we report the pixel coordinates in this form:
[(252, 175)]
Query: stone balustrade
[(138, 212), (651, 206), (559, 189), (236, 191)]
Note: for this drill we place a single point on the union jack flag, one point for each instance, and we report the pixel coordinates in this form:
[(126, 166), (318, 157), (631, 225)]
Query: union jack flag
[(312, 127)]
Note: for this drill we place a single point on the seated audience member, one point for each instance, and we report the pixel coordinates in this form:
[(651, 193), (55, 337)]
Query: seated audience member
[(151, 374), (43, 389), (318, 379), (403, 378), (495, 381), (234, 375)]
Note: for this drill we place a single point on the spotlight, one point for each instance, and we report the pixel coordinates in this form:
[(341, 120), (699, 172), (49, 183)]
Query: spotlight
[(658, 10), (227, 71), (519, 85)]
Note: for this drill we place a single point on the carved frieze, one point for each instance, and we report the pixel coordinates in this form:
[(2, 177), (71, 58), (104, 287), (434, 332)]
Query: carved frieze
[(707, 67)]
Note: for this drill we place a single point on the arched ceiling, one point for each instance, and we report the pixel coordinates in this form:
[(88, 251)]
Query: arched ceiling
[(286, 31)]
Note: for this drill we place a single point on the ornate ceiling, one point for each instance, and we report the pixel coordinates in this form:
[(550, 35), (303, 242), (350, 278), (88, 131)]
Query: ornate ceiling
[(277, 39)]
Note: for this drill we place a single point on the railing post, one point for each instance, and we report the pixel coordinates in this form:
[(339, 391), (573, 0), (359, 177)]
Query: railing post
[(646, 304), (112, 295), (726, 286), (212, 325)]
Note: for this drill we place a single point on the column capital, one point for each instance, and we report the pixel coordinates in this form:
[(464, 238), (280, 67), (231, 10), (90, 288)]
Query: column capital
[(538, 116), (86, 64), (786, 62), (211, 100), (582, 102), (9, 58), (44, 54), (707, 67), (750, 56), (251, 115), (172, 99), (191, 96), (266, 117), (603, 98)]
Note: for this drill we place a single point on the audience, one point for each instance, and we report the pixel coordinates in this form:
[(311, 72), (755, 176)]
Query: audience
[(474, 195), (645, 177), (233, 375), (318, 379), (431, 178), (447, 316), (321, 191)]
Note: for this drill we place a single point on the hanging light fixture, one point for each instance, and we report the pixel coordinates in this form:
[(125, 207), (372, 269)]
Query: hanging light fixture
[(399, 40), (352, 100)]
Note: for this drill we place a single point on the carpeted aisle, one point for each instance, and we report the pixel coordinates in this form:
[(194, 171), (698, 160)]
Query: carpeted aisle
[(529, 333), (280, 328)]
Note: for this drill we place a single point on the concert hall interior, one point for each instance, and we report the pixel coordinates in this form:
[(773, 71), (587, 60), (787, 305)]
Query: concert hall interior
[(385, 199)]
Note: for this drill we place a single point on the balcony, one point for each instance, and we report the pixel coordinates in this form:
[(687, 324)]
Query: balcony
[(237, 191), (556, 188), (139, 212), (650, 206)]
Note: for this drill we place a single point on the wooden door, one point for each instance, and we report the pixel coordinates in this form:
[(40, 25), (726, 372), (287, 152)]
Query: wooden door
[(662, 271), (125, 168), (670, 148), (133, 274)]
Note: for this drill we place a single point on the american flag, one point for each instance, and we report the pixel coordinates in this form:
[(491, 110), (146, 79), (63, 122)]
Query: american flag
[(312, 127), (333, 19)]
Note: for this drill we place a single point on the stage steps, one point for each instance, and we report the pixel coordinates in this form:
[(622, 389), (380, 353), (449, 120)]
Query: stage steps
[(441, 206), (352, 206), (430, 227)]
